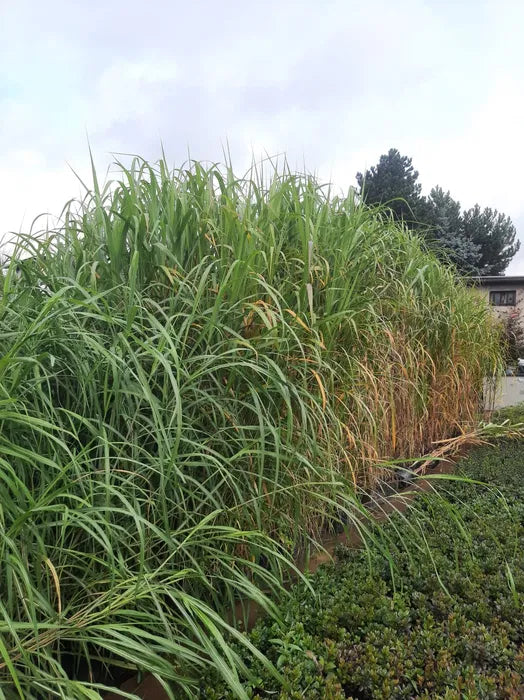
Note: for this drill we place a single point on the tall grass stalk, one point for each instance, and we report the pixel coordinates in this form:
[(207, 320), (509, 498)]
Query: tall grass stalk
[(198, 375)]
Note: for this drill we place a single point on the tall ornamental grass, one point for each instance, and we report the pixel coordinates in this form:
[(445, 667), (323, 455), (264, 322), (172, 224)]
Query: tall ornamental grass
[(199, 374)]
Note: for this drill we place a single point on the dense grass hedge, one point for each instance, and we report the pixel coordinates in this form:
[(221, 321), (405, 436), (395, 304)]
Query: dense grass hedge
[(199, 374), (446, 626)]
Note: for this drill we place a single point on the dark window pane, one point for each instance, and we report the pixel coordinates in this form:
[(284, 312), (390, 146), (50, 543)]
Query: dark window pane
[(505, 298)]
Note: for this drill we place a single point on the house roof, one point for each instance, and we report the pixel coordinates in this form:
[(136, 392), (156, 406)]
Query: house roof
[(485, 280)]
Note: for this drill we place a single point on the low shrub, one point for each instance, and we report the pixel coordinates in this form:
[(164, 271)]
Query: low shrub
[(513, 337), (512, 414), (449, 625)]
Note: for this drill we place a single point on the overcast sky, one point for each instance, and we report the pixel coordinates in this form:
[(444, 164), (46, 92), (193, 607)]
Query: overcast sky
[(333, 84)]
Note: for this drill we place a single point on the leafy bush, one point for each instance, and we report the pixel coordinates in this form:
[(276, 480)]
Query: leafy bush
[(511, 414), (513, 337), (446, 626)]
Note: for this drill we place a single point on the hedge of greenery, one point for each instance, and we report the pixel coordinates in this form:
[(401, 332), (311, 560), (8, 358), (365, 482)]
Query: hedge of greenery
[(199, 374), (447, 627)]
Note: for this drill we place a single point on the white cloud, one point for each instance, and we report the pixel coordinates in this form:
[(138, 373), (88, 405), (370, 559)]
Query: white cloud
[(31, 187), (128, 87)]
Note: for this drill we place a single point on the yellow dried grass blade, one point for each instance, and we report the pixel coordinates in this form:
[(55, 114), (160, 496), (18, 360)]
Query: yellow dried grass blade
[(56, 581)]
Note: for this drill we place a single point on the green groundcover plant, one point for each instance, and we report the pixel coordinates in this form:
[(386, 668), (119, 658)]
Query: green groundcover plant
[(198, 375), (446, 626)]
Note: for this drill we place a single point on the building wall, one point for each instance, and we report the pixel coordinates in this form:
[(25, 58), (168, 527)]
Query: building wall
[(509, 392), (503, 312)]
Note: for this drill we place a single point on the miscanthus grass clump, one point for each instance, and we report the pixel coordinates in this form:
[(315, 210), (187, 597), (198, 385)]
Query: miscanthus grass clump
[(199, 374)]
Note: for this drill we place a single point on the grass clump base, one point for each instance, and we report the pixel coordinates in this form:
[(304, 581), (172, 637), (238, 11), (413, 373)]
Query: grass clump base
[(446, 626)]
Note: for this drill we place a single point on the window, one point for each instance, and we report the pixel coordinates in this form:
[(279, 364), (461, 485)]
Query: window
[(506, 298)]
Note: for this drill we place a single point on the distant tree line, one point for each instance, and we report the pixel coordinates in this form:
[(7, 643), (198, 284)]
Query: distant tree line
[(477, 241)]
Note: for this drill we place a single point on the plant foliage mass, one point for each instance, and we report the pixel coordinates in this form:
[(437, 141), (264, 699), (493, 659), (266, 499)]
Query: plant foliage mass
[(198, 375), (446, 626)]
